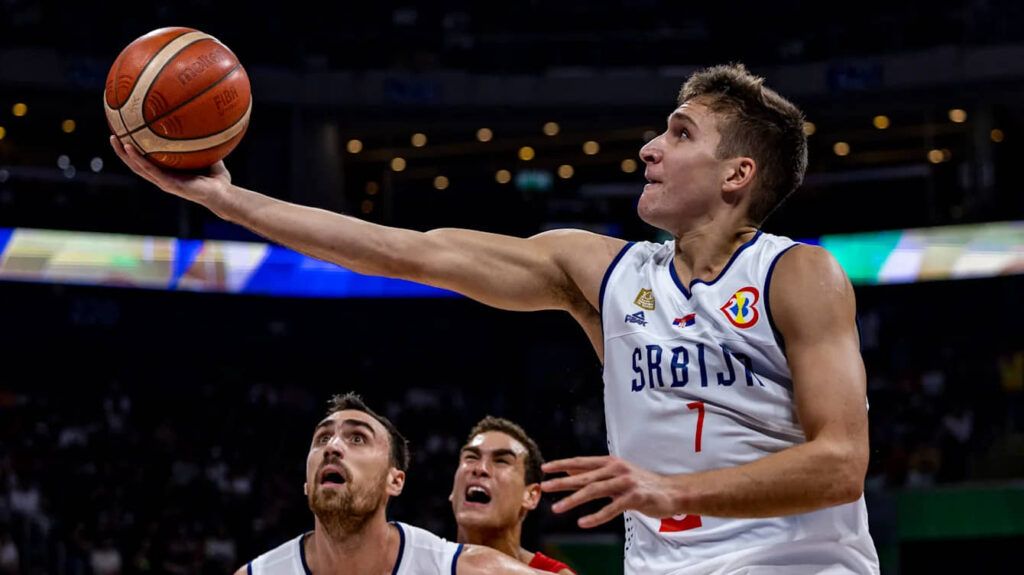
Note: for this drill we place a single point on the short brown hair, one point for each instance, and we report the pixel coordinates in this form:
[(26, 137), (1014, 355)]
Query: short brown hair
[(533, 460), (399, 445), (754, 121)]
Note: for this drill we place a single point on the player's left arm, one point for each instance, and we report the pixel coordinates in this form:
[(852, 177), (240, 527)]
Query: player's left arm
[(814, 309)]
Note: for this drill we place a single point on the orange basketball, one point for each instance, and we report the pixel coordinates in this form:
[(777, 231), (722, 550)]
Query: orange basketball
[(180, 97)]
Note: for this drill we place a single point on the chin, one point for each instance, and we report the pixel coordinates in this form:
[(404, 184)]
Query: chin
[(645, 208), (470, 519), (649, 216)]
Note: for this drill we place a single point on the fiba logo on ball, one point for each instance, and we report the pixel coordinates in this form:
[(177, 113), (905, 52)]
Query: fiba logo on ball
[(225, 100), (180, 97)]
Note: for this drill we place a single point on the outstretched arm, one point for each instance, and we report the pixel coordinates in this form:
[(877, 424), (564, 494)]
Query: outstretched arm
[(554, 270), (813, 305)]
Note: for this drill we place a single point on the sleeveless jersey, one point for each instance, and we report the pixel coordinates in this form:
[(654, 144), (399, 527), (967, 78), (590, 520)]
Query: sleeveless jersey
[(695, 379), (420, 552)]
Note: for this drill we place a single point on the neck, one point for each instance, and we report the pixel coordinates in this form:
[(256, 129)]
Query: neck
[(703, 251), (505, 540), (358, 551)]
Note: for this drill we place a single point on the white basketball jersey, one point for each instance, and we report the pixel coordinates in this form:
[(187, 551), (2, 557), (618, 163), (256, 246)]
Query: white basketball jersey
[(695, 379), (420, 552)]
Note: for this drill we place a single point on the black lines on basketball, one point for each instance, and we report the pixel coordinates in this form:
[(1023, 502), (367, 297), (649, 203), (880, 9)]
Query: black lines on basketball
[(160, 118), (126, 83), (167, 61)]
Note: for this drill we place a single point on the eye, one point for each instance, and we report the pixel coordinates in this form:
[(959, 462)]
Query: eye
[(683, 134), (357, 438), (322, 438), (504, 461)]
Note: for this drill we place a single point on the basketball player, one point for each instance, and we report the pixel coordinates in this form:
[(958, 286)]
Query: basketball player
[(356, 462), (734, 387), (496, 485)]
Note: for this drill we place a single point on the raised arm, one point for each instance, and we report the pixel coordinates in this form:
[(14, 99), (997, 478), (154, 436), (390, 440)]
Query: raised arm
[(813, 306), (555, 270)]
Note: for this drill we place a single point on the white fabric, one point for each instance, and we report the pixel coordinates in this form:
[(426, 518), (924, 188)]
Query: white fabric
[(660, 373), (420, 553)]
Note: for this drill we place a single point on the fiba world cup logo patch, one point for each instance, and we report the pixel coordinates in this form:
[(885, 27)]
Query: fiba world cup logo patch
[(741, 309)]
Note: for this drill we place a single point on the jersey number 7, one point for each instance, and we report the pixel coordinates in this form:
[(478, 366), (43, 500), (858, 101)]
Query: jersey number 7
[(678, 523)]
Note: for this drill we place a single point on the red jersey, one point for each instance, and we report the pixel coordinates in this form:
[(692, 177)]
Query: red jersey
[(545, 563)]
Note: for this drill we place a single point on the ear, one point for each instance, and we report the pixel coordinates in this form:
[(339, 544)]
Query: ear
[(739, 174), (396, 482), (531, 496)]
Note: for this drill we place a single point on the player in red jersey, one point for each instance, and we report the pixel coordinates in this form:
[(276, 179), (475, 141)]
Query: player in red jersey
[(496, 485)]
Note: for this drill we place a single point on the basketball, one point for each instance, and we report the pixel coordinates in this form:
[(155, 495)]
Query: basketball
[(180, 97)]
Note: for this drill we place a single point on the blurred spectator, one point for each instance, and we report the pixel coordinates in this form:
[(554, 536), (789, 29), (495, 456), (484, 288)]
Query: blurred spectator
[(219, 551), (1011, 378), (923, 464), (106, 559), (9, 562)]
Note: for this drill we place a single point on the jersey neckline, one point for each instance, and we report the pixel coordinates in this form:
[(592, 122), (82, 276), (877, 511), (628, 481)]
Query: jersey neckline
[(302, 553), (398, 560), (721, 274), (401, 546)]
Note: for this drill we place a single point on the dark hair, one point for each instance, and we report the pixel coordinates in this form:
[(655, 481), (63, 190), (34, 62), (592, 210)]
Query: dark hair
[(399, 445), (533, 457), (754, 121)]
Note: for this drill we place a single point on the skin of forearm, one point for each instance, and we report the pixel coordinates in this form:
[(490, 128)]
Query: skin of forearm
[(800, 479), (361, 246)]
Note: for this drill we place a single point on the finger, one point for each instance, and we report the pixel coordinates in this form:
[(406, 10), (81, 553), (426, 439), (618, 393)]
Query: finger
[(124, 152), (578, 481), (118, 148), (574, 464), (144, 167), (135, 156), (128, 155), (608, 488), (604, 515)]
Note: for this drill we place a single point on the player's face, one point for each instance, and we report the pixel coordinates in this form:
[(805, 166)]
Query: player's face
[(684, 176), (348, 470), (490, 490)]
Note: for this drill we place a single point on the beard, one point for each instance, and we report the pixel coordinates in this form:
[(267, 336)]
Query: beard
[(346, 511)]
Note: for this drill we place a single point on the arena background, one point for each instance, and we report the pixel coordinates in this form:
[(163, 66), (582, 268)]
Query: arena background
[(155, 406)]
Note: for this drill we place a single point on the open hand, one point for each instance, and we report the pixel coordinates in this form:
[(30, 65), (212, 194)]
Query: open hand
[(627, 485), (199, 188)]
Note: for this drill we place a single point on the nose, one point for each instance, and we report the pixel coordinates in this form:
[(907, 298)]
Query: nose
[(650, 153), (333, 446), (480, 469)]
